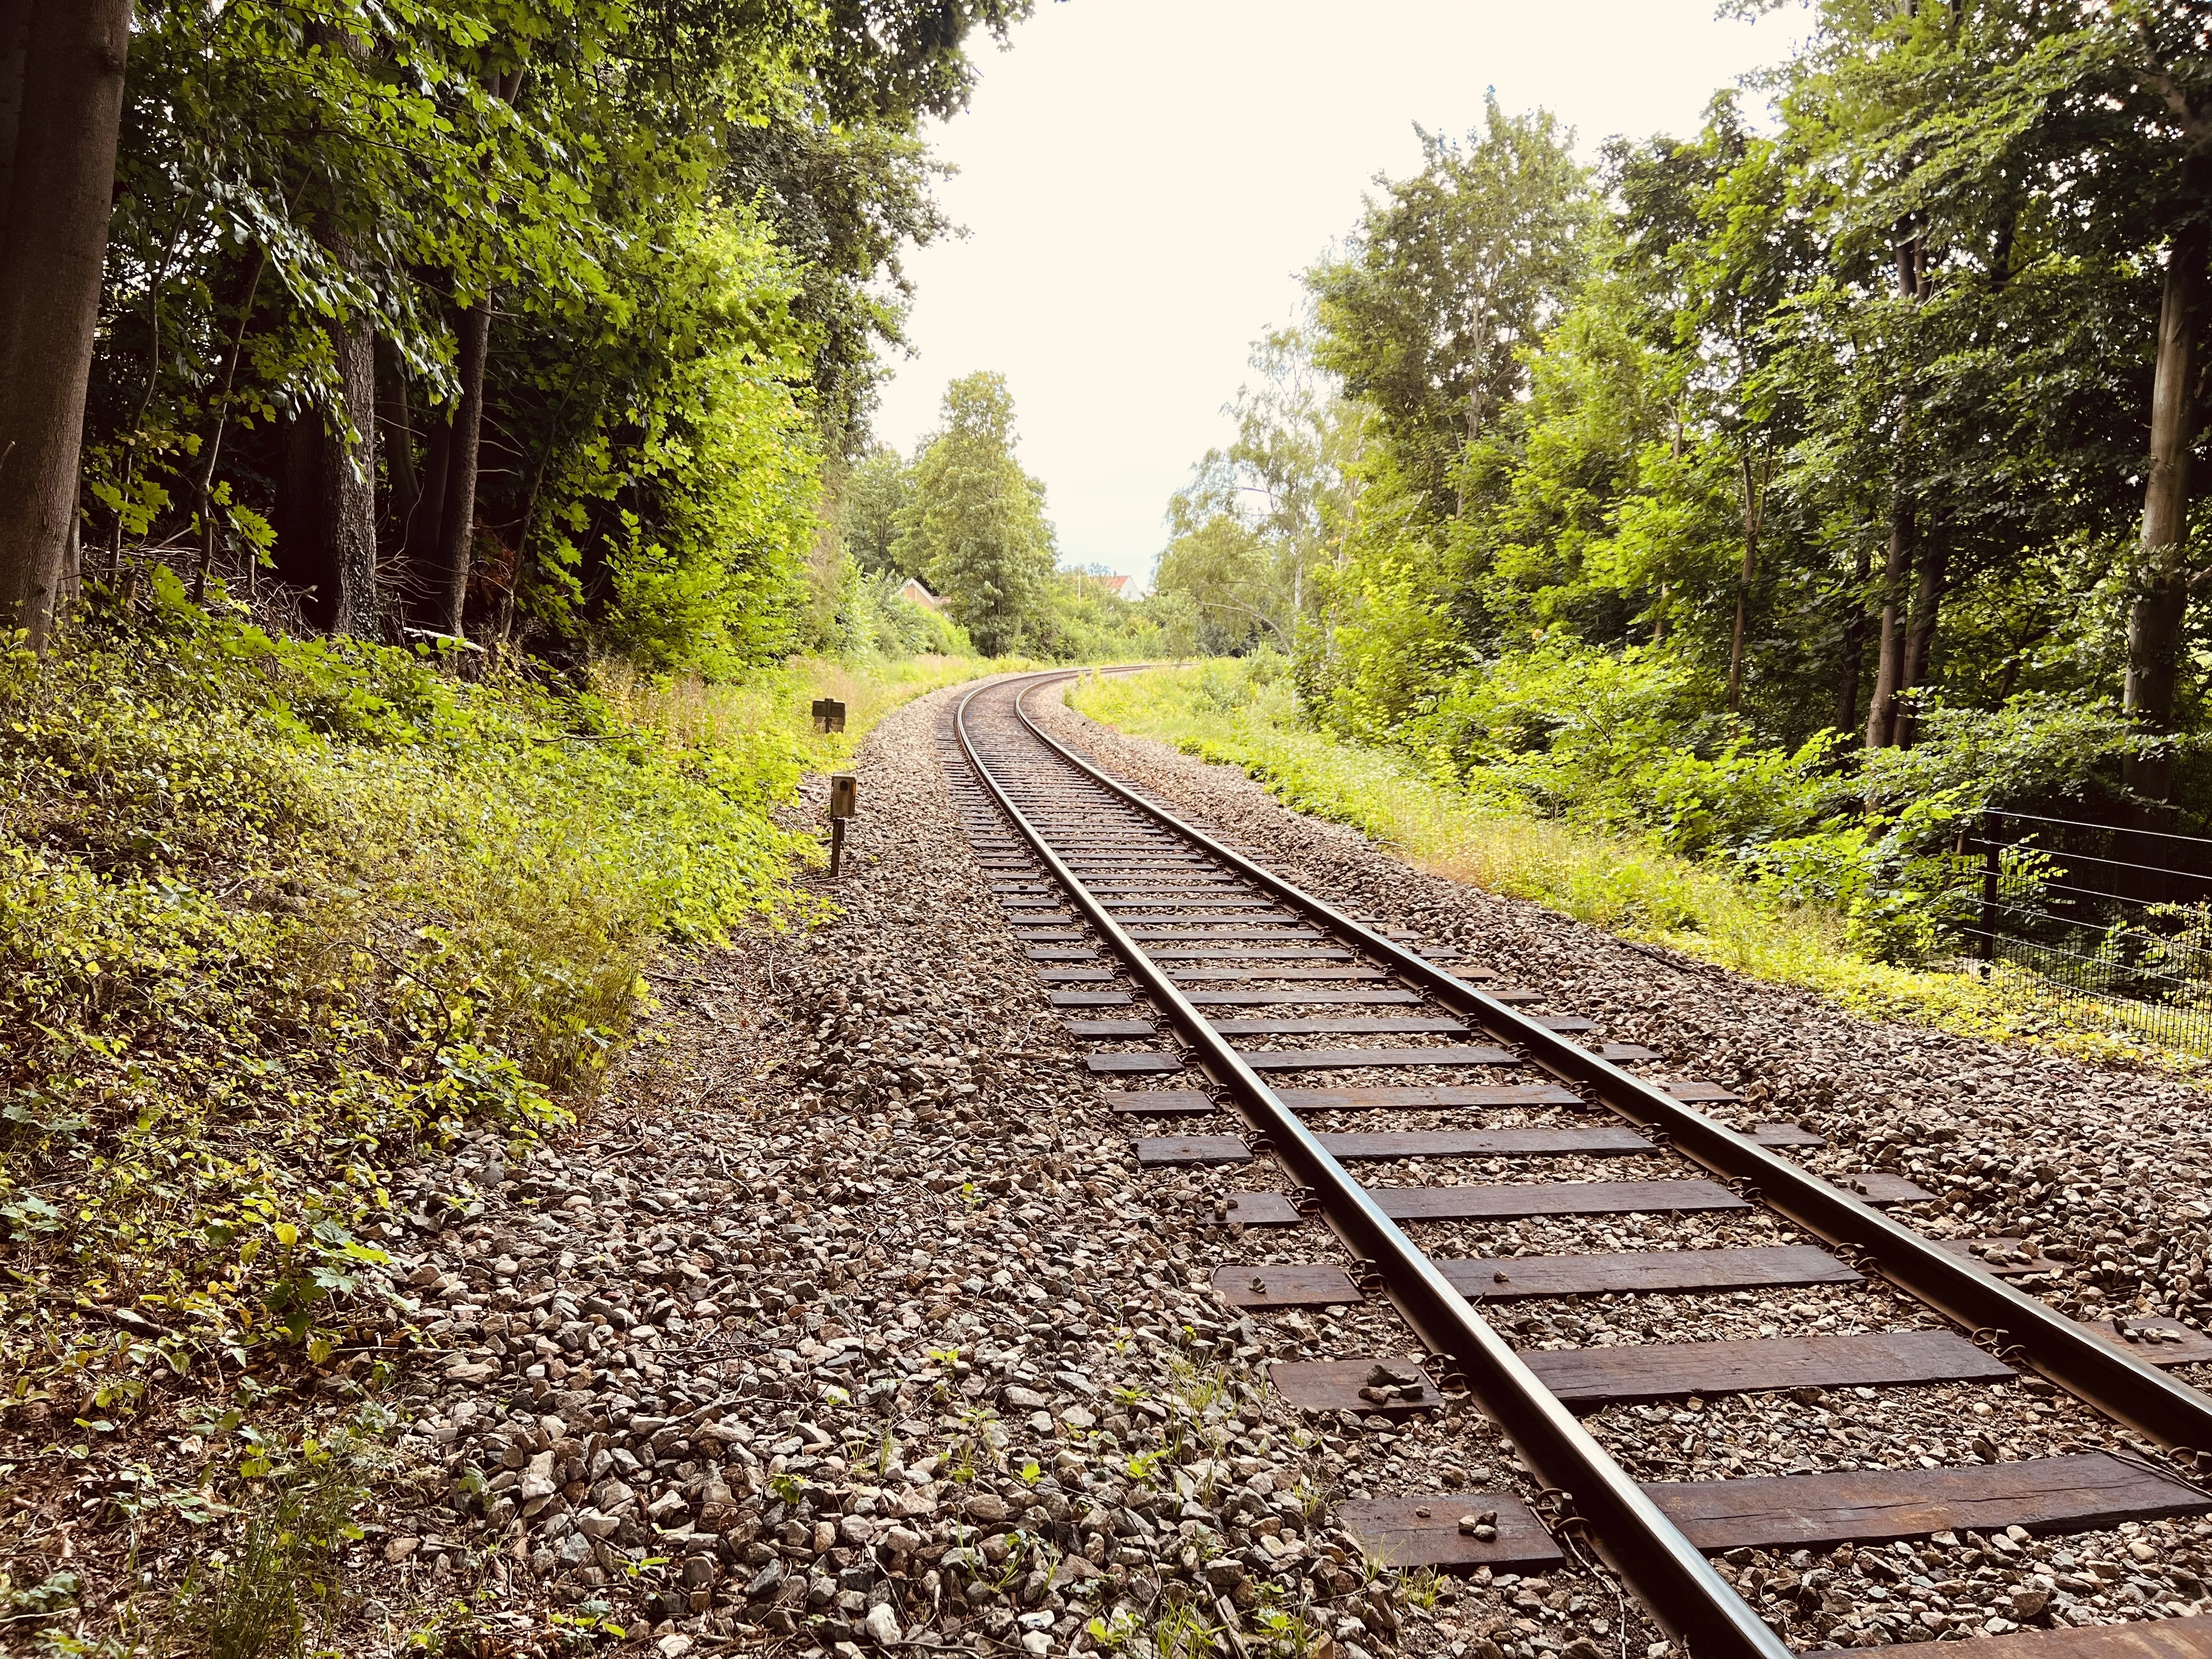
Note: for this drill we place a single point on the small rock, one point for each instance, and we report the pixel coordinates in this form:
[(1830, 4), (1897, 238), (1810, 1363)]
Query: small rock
[(612, 1496), (882, 1625), (1072, 1569), (594, 1524), (536, 1478), (397, 1550)]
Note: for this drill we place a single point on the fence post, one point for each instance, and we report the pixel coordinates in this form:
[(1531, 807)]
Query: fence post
[(1990, 864)]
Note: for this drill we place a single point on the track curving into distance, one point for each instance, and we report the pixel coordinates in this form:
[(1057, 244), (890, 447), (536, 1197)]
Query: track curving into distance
[(1157, 893)]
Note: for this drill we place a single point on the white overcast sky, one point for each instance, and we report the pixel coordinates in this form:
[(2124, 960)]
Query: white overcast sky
[(1142, 181)]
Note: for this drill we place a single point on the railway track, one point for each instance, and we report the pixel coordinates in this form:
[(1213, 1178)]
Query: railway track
[(1212, 987)]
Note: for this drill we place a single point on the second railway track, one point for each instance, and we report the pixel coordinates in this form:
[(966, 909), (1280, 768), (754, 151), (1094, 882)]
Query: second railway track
[(1242, 1025)]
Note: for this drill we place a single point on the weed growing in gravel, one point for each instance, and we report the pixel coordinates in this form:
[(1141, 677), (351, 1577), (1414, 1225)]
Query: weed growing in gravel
[(1420, 1586), (257, 1598), (1199, 1387), (1289, 1632), (1183, 1631)]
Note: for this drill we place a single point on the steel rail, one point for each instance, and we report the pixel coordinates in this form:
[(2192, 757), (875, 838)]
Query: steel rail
[(1665, 1570), (2019, 1327)]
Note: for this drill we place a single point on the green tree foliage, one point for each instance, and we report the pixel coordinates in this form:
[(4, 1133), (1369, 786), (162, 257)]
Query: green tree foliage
[(877, 491), (975, 525), (678, 225), (1263, 515), (1449, 275), (1801, 469)]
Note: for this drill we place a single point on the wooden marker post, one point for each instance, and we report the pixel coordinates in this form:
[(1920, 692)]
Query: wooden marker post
[(844, 799), (828, 714)]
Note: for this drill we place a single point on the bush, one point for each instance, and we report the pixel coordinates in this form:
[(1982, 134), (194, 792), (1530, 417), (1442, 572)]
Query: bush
[(1621, 743), (275, 915)]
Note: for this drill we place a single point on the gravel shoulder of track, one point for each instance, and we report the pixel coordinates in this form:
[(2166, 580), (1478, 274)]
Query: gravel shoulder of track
[(2104, 1170), (847, 1319)]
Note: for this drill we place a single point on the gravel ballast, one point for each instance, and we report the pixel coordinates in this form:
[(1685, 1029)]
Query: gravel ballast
[(847, 1320), (2104, 1170)]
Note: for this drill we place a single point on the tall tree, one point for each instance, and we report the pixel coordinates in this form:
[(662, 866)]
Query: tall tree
[(1452, 273), (1222, 567), (2171, 64), (1288, 483), (61, 98), (877, 492), (977, 524)]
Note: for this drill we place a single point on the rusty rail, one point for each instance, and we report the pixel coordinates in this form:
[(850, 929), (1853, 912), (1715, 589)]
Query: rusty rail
[(1674, 1582)]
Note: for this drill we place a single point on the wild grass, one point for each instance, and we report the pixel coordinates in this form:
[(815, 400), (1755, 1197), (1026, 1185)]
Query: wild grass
[(692, 712), (274, 1587), (1222, 713), (279, 916)]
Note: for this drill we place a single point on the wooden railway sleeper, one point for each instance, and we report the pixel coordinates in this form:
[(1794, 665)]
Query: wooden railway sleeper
[(1674, 1580), (2141, 1396)]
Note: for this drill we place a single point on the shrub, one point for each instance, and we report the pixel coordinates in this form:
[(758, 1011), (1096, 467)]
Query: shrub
[(277, 914)]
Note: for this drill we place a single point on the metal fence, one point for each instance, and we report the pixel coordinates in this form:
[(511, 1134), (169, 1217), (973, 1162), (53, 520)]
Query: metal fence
[(2110, 923)]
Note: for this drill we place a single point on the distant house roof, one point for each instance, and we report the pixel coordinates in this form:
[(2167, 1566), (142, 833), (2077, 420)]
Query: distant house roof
[(918, 591), (1114, 587)]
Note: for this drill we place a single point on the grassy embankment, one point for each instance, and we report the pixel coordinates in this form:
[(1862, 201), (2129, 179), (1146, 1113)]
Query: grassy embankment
[(1615, 882), (277, 917)]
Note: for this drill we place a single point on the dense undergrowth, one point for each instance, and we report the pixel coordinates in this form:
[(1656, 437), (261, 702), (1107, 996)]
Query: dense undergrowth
[(278, 915), (1738, 872)]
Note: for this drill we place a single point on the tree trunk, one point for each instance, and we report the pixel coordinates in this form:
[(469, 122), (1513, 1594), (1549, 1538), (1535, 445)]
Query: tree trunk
[(1889, 660), (1854, 647), (61, 100), (1753, 505), (348, 488), (425, 522), (395, 420), (2160, 609), (445, 591), (326, 501), (15, 49), (1890, 676), (1920, 632), (302, 560)]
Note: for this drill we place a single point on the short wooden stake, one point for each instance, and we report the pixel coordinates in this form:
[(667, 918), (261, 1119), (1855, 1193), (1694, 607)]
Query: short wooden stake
[(844, 800)]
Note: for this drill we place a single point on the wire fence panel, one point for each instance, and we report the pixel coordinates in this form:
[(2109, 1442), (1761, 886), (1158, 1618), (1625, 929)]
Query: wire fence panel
[(2107, 923)]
